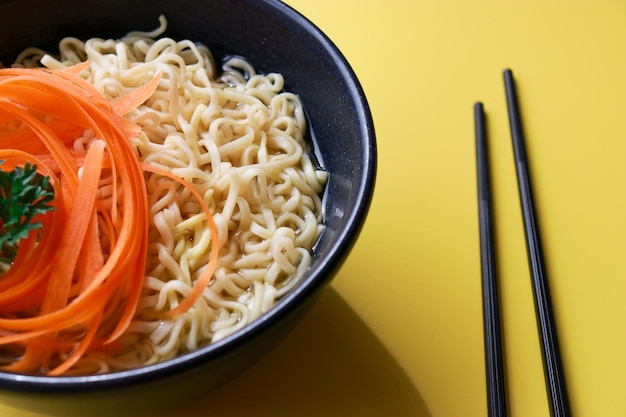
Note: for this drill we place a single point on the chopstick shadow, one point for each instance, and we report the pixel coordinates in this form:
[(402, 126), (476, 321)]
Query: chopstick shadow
[(331, 364)]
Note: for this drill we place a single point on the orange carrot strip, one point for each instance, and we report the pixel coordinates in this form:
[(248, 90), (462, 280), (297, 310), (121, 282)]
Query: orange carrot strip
[(132, 100), (15, 157), (109, 226), (49, 79), (23, 285), (77, 68), (31, 361), (50, 139), (76, 229), (91, 259), (80, 349)]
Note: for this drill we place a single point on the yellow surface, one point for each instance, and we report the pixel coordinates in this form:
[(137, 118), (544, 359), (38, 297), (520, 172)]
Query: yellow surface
[(400, 331)]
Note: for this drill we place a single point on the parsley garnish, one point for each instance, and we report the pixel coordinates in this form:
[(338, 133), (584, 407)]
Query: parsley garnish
[(23, 194)]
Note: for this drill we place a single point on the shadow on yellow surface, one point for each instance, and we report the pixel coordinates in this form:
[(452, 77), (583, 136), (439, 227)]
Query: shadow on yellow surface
[(331, 364)]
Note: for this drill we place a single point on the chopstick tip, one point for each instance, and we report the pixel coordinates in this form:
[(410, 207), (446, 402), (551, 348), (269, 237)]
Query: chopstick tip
[(508, 75)]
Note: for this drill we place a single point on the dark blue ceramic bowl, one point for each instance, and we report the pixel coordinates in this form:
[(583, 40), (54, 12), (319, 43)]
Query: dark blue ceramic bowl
[(274, 38)]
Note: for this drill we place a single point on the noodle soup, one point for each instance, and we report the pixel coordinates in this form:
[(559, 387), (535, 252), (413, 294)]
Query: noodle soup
[(238, 138)]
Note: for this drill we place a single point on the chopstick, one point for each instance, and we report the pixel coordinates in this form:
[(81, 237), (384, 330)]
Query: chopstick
[(553, 369), (496, 395)]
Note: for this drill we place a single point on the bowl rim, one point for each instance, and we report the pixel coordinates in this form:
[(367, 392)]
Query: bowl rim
[(325, 268)]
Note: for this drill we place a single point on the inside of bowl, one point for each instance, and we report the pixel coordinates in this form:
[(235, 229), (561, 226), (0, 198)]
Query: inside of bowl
[(275, 39)]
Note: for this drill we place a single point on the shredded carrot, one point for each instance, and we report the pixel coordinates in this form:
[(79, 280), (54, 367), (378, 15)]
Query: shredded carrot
[(128, 102), (66, 293), (78, 68)]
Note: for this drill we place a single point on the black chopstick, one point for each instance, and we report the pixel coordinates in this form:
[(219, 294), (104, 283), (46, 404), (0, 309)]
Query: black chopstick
[(553, 369), (496, 395)]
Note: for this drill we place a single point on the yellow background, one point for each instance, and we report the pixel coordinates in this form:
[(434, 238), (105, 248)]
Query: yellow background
[(399, 333)]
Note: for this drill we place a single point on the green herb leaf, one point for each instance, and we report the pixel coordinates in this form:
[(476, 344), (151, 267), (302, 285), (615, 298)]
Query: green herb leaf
[(23, 194)]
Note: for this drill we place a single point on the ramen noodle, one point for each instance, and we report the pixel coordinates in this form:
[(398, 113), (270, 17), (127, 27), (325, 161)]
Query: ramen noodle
[(239, 138)]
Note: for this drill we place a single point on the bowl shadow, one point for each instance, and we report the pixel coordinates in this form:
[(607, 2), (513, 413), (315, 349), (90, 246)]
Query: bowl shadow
[(331, 364)]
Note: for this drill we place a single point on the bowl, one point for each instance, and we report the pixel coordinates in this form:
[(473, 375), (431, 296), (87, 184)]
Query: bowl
[(275, 38)]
